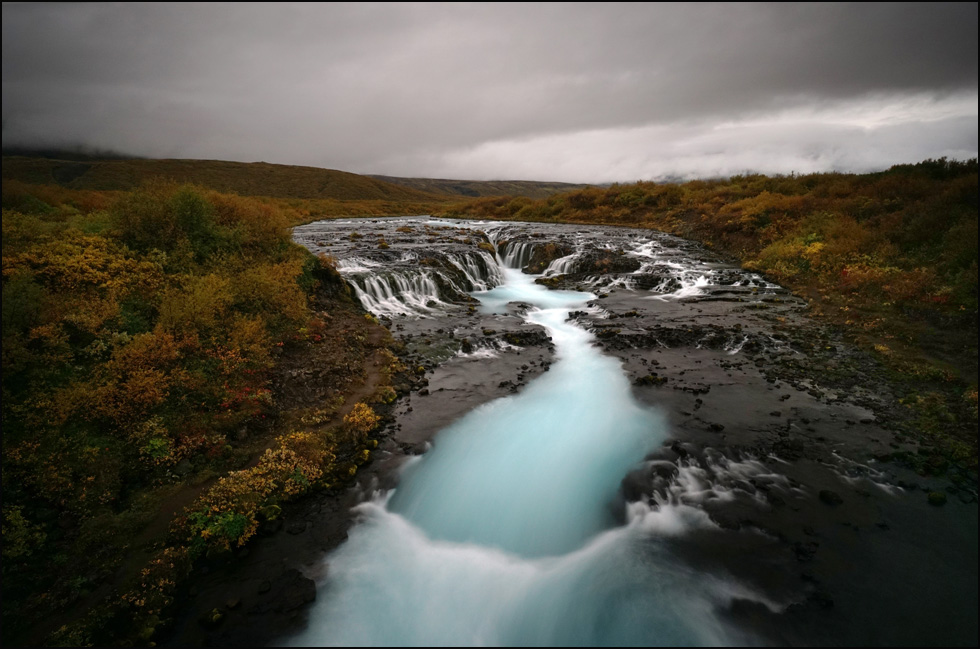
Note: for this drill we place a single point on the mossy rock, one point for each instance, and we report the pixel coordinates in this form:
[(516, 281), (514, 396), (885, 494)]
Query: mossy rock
[(650, 379), (543, 255)]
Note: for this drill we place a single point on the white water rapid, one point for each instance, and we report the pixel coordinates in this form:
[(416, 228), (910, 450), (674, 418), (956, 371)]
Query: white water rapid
[(505, 532)]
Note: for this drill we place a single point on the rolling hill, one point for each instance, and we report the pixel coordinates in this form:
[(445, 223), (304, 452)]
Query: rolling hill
[(243, 178), (480, 188)]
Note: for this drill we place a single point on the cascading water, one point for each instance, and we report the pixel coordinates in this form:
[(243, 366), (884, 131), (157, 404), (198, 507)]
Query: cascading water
[(504, 533), (481, 271), (398, 294)]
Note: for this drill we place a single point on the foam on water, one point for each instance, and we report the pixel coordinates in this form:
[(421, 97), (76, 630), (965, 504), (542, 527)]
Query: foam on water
[(505, 532)]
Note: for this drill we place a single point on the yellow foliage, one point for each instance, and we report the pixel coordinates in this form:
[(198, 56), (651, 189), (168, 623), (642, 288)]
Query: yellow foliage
[(20, 536), (197, 307), (361, 420)]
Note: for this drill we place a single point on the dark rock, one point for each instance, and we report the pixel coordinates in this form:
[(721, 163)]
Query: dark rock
[(543, 255), (526, 338), (804, 551), (774, 499), (829, 497), (270, 527), (291, 590), (604, 262), (212, 618), (937, 498), (680, 450), (821, 600), (650, 379)]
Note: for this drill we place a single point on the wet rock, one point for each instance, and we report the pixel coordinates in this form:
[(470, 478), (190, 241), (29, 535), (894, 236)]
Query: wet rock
[(554, 282), (288, 592), (296, 527), (543, 255), (657, 282), (831, 498), (821, 599), (804, 550), (526, 338), (212, 618), (604, 262), (270, 527), (937, 498), (678, 449), (650, 379)]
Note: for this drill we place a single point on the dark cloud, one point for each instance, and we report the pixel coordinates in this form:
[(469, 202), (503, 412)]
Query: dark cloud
[(415, 89)]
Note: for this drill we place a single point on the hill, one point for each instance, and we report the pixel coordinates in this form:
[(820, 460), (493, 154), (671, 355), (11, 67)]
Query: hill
[(243, 178), (481, 188)]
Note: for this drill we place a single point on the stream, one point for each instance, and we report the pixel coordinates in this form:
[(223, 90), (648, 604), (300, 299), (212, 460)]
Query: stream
[(622, 439)]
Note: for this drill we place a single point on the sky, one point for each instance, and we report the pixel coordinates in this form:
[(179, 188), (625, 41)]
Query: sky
[(562, 92)]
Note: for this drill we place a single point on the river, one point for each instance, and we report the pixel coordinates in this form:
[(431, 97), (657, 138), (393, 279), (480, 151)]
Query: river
[(624, 440)]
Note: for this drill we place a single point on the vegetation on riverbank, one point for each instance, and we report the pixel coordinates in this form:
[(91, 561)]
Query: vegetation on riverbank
[(891, 257), (143, 336)]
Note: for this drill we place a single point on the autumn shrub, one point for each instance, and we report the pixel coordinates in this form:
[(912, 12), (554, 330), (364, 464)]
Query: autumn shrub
[(360, 421), (137, 334), (228, 515)]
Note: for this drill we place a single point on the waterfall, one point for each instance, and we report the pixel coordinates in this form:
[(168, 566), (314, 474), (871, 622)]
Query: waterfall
[(398, 294), (480, 269), (417, 293), (504, 533), (562, 265)]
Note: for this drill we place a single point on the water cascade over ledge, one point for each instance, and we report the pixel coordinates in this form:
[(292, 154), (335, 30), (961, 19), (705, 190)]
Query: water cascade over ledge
[(507, 531)]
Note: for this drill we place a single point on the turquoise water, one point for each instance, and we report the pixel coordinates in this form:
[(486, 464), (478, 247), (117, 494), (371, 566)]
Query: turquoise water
[(504, 533)]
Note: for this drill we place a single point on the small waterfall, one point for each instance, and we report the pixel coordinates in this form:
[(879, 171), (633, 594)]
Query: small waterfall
[(562, 265), (480, 270), (396, 294), (516, 254), (419, 293), (357, 265), (510, 253)]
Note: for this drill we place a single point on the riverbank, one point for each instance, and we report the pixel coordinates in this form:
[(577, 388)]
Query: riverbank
[(783, 434)]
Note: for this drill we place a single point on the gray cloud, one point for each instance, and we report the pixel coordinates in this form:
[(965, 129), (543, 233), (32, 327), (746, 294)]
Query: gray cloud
[(449, 89)]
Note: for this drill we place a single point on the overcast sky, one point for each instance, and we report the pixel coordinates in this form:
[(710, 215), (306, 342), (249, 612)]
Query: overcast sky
[(579, 93)]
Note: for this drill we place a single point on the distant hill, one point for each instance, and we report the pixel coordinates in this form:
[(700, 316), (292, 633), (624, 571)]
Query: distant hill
[(243, 178), (479, 188)]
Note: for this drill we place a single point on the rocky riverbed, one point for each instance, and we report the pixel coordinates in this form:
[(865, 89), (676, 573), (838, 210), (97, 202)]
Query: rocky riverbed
[(780, 445)]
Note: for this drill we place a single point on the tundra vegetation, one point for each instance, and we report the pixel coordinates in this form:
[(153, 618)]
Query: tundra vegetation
[(141, 336)]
